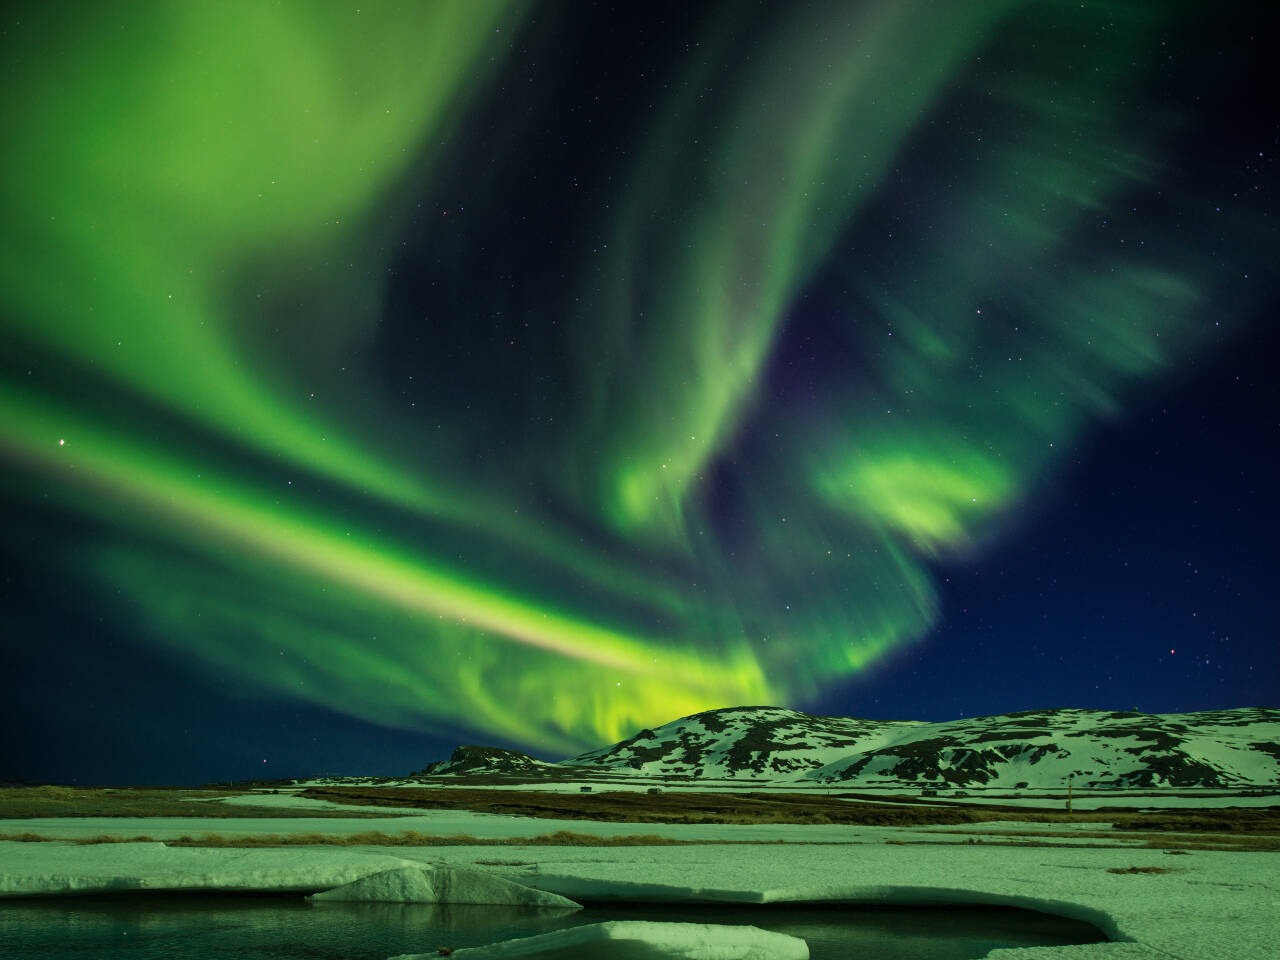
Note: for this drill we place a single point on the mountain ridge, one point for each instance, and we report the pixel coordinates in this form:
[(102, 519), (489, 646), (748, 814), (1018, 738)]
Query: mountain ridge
[(476, 760), (1095, 749)]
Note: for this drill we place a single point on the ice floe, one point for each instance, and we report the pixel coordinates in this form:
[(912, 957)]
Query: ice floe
[(440, 883), (643, 940)]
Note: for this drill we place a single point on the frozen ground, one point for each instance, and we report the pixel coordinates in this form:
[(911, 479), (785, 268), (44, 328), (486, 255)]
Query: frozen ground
[(287, 798), (1082, 800), (630, 940), (443, 883), (494, 826), (1211, 906), (1097, 802), (488, 825)]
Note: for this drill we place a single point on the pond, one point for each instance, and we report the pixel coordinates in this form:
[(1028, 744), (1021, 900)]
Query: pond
[(169, 927)]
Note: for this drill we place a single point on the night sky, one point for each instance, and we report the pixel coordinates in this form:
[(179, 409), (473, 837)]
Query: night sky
[(382, 377)]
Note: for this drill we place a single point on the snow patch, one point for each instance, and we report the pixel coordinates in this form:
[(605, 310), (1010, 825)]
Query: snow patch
[(1034, 749), (440, 883), (643, 940)]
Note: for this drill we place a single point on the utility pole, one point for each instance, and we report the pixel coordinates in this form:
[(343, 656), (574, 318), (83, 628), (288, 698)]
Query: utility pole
[(1069, 776)]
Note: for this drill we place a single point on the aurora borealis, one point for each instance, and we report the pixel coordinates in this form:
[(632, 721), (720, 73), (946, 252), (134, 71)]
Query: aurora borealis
[(530, 373)]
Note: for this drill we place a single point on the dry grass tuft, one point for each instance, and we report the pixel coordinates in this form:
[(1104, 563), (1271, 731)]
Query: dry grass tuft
[(1170, 843), (44, 792), (625, 806), (375, 838), (20, 803), (766, 808), (109, 838)]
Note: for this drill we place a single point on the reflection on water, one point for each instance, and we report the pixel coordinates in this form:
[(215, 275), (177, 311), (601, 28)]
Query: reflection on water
[(167, 927), (253, 927)]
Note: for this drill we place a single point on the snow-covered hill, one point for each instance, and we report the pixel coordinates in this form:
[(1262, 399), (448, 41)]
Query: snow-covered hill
[(484, 761), (753, 742), (1028, 750)]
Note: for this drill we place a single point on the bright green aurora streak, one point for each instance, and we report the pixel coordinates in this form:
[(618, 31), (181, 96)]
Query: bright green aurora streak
[(199, 220)]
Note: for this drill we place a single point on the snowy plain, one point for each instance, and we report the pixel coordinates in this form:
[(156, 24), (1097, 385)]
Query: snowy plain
[(498, 826), (1209, 905), (1213, 906), (288, 797)]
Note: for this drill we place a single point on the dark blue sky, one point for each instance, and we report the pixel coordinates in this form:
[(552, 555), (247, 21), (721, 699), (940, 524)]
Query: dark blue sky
[(1135, 566), (1162, 537)]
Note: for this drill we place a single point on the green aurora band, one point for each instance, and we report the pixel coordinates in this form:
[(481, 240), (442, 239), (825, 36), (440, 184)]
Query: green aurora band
[(198, 226)]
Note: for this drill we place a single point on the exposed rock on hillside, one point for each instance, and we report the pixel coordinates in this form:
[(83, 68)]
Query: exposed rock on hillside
[(1037, 748), (478, 761)]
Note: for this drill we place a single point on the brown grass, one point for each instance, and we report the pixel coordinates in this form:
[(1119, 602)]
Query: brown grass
[(409, 838), (1229, 829), (804, 808), (1170, 843), (78, 841), (26, 802), (1254, 820), (1139, 870), (1218, 843), (635, 807), (561, 838)]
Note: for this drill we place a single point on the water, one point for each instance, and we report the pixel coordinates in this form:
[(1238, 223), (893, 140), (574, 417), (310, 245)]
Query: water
[(166, 927)]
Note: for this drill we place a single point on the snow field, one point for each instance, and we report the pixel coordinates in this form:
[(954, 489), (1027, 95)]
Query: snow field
[(1210, 906), (643, 940), (484, 826)]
